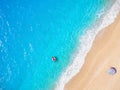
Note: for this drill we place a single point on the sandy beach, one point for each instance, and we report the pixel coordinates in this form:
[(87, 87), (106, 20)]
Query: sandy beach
[(105, 53)]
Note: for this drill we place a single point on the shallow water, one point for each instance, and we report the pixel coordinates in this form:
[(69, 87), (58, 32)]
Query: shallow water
[(31, 32)]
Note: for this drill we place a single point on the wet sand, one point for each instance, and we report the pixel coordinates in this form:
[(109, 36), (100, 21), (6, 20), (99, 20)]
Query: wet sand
[(105, 53)]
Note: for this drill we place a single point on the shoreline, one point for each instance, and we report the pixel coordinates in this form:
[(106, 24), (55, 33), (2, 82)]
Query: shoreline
[(76, 65), (103, 55)]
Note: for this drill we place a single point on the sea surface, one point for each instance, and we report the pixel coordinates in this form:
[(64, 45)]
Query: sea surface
[(32, 31)]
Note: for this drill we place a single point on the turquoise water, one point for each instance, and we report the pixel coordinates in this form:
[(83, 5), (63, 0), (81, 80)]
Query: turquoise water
[(32, 31)]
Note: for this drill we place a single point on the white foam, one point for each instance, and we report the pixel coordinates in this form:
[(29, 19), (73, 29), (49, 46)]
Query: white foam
[(86, 43)]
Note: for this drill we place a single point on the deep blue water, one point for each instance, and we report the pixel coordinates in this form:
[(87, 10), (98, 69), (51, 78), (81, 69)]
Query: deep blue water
[(32, 31)]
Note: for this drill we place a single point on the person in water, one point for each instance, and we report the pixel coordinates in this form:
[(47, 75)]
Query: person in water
[(54, 58)]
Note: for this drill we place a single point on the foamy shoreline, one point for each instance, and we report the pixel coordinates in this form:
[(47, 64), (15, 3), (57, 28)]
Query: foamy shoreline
[(78, 61)]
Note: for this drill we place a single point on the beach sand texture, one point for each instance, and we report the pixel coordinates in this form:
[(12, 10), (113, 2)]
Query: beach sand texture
[(105, 53)]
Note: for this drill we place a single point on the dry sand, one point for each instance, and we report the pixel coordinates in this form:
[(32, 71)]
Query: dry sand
[(105, 53)]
